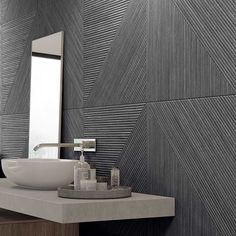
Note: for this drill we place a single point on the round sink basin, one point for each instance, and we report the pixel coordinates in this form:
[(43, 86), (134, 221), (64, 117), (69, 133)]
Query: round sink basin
[(46, 174)]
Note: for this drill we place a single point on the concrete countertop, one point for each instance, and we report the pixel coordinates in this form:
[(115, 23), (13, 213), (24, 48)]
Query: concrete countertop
[(46, 205)]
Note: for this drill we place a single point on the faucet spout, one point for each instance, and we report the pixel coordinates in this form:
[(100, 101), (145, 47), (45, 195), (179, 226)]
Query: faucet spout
[(88, 145), (56, 145)]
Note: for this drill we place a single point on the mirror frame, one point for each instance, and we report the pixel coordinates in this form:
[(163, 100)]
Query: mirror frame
[(60, 96)]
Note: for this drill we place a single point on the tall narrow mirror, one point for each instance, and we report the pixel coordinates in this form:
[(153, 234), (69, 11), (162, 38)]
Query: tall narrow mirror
[(46, 94)]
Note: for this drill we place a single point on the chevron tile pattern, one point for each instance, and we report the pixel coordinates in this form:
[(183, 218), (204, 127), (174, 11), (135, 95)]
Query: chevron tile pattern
[(13, 9), (202, 135), (168, 177), (15, 62), (16, 103), (125, 64), (214, 23), (100, 28), (111, 126), (179, 66), (132, 161)]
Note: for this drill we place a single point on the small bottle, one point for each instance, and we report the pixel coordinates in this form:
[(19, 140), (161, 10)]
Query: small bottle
[(92, 172), (81, 171), (115, 177)]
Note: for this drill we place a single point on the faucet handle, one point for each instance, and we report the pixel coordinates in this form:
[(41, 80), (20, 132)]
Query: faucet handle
[(88, 145)]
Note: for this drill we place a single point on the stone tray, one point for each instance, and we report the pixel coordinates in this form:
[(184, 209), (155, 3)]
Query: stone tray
[(110, 193)]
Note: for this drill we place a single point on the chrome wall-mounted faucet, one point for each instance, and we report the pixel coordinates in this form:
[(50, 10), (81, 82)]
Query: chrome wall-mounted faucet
[(88, 145)]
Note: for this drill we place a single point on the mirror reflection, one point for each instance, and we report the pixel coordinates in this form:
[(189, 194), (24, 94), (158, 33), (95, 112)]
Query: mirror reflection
[(46, 94)]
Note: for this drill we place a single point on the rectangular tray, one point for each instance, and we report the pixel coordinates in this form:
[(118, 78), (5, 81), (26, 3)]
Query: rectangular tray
[(110, 193)]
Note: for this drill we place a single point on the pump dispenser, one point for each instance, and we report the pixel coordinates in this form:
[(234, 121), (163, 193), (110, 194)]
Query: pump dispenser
[(81, 171)]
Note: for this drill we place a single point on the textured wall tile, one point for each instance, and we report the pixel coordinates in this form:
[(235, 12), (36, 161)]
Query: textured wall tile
[(0, 87), (178, 64), (13, 9), (202, 134), (1, 12), (100, 28), (133, 159), (122, 78), (72, 127), (43, 4), (0, 136), (214, 23), (15, 63), (167, 177), (14, 41), (18, 97), (4, 94), (111, 126), (15, 130)]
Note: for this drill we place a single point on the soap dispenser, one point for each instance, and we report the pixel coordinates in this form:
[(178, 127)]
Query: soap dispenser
[(81, 171)]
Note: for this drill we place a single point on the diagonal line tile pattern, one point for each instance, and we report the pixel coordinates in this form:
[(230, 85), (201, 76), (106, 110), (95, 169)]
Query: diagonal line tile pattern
[(202, 135), (168, 178), (214, 23), (122, 78), (100, 28), (111, 126), (133, 159), (14, 135), (178, 64), (13, 9), (14, 45), (19, 94)]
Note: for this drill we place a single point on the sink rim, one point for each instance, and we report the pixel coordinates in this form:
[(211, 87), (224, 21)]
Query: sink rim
[(44, 174)]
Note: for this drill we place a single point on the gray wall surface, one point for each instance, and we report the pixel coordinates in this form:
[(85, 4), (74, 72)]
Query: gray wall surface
[(155, 82)]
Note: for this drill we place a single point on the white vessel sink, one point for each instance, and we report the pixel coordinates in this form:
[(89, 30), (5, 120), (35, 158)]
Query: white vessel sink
[(46, 174)]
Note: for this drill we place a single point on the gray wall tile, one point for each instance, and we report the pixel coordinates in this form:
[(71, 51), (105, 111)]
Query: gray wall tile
[(132, 162), (14, 135), (13, 9), (179, 66), (168, 177), (214, 23), (15, 63), (100, 29), (202, 134), (125, 64), (111, 126)]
